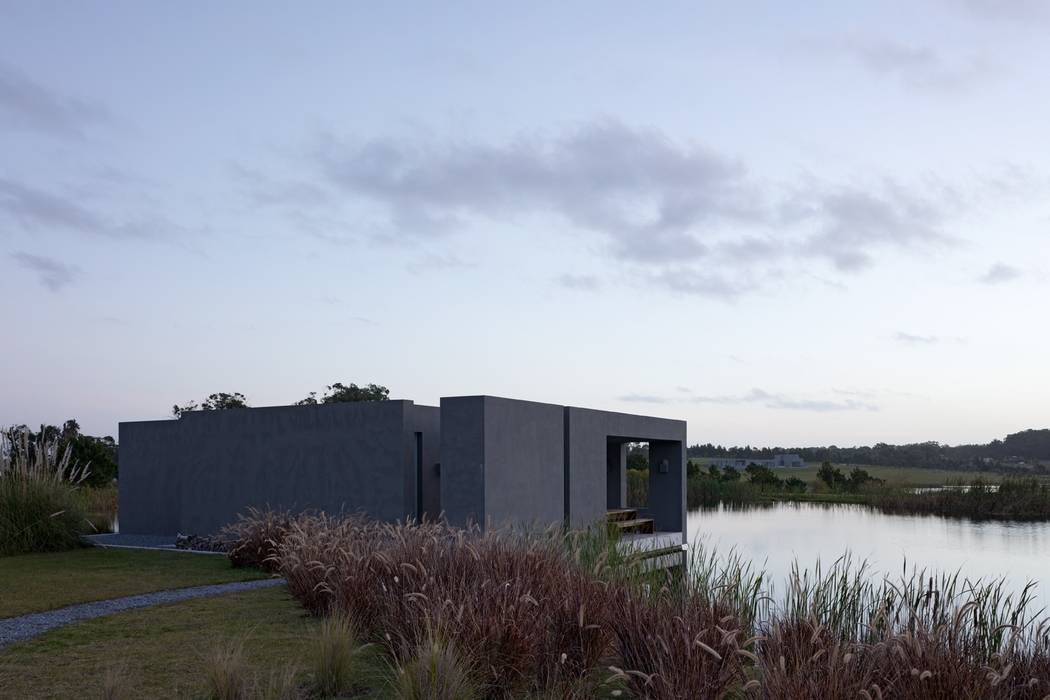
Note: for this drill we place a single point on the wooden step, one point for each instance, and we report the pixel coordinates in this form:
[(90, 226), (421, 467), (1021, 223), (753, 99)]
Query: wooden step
[(639, 525), (621, 514)]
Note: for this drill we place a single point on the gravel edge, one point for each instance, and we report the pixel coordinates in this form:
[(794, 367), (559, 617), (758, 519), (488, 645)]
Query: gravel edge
[(23, 627)]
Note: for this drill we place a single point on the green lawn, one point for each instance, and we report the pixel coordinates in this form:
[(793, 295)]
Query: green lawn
[(37, 582), (894, 476), (162, 649)]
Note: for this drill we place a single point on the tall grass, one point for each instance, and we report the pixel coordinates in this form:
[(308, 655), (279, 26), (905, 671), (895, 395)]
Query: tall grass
[(437, 671), (574, 616), (1011, 499), (39, 509), (338, 652), (226, 671)]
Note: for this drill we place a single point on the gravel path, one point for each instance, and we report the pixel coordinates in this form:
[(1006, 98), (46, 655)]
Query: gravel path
[(17, 629)]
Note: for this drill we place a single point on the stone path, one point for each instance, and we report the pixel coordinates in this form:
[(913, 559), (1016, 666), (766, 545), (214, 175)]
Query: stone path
[(17, 629)]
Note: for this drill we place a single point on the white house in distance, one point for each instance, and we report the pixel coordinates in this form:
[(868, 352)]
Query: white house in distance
[(781, 461)]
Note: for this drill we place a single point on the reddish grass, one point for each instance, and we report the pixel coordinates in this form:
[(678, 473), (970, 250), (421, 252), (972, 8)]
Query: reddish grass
[(531, 618)]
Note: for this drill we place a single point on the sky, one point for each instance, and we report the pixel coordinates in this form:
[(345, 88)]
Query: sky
[(825, 223)]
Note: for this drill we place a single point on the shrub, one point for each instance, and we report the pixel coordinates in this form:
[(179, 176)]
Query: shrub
[(226, 671), (255, 537), (435, 672), (549, 615), (280, 684), (674, 647), (39, 510), (338, 651), (115, 682)]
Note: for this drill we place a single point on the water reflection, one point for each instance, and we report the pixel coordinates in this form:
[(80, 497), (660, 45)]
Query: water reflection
[(778, 533)]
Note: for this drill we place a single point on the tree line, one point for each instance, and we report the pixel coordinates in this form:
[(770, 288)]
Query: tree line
[(1030, 445)]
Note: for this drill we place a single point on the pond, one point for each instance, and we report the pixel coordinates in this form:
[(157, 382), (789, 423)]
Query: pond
[(775, 535)]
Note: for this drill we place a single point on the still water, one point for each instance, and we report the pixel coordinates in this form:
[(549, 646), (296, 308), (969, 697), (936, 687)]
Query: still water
[(773, 536)]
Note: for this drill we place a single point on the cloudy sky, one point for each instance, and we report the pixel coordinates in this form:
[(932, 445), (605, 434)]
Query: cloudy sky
[(815, 224)]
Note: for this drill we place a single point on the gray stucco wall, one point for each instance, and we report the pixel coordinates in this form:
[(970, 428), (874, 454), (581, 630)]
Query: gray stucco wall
[(196, 473), (426, 420), (463, 459), (502, 461), (524, 462), (589, 431)]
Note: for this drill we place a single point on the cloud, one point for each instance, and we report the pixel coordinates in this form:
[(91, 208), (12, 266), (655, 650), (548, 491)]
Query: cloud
[(912, 339), (587, 283), (28, 105), (782, 402), (764, 398), (1024, 11), (851, 222), (52, 273), (35, 209), (918, 68), (648, 195), (433, 262), (691, 282), (643, 398), (999, 273), (679, 216)]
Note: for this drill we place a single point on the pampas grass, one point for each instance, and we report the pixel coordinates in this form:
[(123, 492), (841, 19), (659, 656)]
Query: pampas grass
[(39, 510)]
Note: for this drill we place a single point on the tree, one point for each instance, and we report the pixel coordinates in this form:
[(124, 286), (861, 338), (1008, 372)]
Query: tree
[(830, 476), (341, 393), (730, 474), (763, 477), (98, 454), (215, 402), (637, 457)]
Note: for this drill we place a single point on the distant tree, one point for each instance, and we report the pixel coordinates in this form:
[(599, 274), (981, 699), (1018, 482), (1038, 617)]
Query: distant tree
[(730, 474), (763, 477), (795, 485), (342, 393), (98, 454), (858, 478), (831, 476), (215, 402), (637, 457)]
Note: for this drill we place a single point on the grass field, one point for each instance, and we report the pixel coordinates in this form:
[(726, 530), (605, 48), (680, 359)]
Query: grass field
[(37, 582), (893, 476), (162, 649)]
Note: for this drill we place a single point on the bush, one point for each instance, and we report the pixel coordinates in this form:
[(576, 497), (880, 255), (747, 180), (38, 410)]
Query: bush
[(545, 615), (39, 508), (226, 671), (435, 672), (337, 656), (255, 538)]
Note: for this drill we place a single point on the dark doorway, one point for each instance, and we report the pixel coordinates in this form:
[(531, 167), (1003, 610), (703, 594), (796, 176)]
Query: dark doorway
[(419, 476)]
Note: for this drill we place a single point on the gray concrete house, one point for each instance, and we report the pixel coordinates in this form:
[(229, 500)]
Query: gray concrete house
[(476, 459)]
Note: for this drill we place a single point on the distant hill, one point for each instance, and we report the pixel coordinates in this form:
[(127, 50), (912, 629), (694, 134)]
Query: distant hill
[(1026, 451)]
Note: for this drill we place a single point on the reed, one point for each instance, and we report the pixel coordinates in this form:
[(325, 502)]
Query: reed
[(1010, 499), (435, 672), (555, 615), (226, 671), (39, 508)]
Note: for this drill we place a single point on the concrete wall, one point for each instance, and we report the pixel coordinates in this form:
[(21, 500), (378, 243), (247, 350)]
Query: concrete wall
[(502, 461), (509, 461), (463, 459), (194, 474), (524, 462), (589, 433), (426, 420)]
